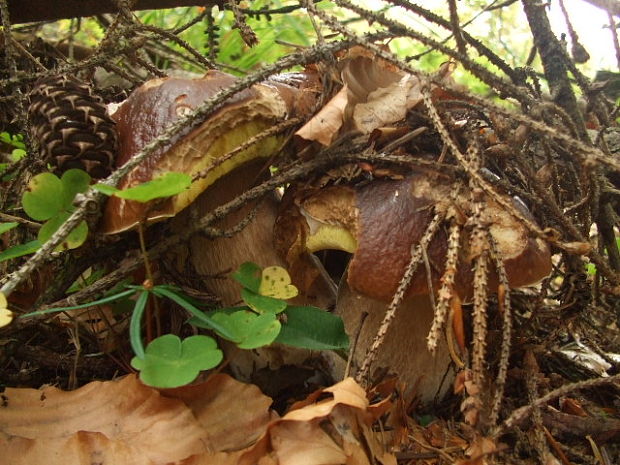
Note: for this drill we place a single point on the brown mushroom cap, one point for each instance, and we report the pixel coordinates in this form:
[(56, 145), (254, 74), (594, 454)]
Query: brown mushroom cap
[(157, 104), (381, 221)]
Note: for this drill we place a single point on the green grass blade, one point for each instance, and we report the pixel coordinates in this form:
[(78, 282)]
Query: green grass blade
[(105, 300)]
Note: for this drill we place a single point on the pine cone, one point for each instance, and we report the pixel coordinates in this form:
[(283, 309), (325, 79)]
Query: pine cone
[(72, 126)]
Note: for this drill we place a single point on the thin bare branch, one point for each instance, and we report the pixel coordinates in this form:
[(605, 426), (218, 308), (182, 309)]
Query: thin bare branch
[(180, 126), (522, 413)]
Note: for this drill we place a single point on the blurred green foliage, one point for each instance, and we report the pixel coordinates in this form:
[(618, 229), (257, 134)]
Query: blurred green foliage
[(287, 27), (280, 34), (15, 144), (292, 28)]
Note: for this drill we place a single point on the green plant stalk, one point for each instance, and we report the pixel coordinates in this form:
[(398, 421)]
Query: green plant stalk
[(135, 337), (194, 311)]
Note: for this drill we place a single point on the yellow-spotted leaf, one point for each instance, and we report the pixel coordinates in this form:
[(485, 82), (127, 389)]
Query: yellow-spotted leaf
[(276, 282), (6, 315)]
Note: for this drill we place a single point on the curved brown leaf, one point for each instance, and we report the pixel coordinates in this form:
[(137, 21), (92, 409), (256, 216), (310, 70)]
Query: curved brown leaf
[(126, 422), (122, 420), (232, 414), (324, 126)]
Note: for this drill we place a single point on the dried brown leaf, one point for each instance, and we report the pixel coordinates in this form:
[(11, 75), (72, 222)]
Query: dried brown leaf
[(387, 105), (471, 407), (304, 443), (458, 324), (572, 407), (365, 74), (80, 448), (233, 414), (126, 422), (218, 458), (123, 421), (324, 126), (332, 431), (347, 392), (374, 94), (479, 452)]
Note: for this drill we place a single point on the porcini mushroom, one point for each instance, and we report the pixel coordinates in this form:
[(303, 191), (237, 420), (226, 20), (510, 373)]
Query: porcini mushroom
[(212, 149), (380, 223), (229, 166)]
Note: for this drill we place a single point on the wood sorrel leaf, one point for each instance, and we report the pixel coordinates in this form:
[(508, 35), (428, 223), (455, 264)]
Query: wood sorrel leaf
[(44, 197), (261, 303), (75, 238), (276, 282), (164, 186), (249, 276), (249, 329), (313, 328), (169, 362), (73, 182)]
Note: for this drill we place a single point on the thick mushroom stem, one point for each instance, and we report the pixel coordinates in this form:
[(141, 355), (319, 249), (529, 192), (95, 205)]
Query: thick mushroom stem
[(427, 376)]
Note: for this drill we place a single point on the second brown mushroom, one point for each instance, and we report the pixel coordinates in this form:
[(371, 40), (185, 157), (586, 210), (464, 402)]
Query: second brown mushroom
[(380, 224)]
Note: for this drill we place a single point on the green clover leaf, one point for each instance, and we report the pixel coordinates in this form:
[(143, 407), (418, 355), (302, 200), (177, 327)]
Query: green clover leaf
[(249, 276), (249, 330), (75, 238), (262, 303), (44, 197), (170, 362), (73, 181), (50, 199)]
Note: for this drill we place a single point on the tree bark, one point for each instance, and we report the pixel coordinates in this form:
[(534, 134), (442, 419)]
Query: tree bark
[(22, 11), (552, 57)]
